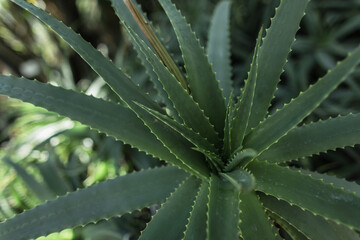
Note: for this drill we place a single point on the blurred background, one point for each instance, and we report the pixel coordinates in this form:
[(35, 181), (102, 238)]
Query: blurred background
[(43, 155)]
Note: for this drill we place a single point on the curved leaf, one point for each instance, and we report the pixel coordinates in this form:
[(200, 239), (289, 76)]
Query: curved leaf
[(277, 125), (126, 90), (187, 108), (223, 210), (113, 119), (170, 221), (226, 149), (194, 138), (308, 193), (103, 200), (273, 54), (253, 220), (315, 138), (243, 108), (218, 48), (351, 187), (196, 228), (125, 17), (174, 142), (203, 84), (289, 229), (314, 227), (116, 79)]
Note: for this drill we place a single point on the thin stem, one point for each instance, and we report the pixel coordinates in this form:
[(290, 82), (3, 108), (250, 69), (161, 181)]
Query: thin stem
[(155, 43)]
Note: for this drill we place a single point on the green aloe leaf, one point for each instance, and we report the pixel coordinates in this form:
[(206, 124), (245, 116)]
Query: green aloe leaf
[(201, 143), (240, 158), (227, 129), (174, 142), (253, 220), (107, 117), (307, 192), (351, 187), (314, 227), (289, 229), (103, 200), (40, 190), (223, 210), (243, 108), (196, 228), (170, 221), (116, 79), (125, 17), (187, 108), (273, 53), (344, 232), (315, 138), (203, 84), (128, 91), (218, 48), (282, 121)]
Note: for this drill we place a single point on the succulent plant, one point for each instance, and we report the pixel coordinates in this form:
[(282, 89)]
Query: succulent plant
[(227, 175)]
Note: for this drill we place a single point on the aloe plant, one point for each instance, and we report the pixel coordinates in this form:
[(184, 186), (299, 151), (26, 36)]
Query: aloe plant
[(227, 175)]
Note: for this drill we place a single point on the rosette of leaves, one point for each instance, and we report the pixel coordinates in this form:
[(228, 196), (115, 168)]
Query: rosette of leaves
[(227, 176)]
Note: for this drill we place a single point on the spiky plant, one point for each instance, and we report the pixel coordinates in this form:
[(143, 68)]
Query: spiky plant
[(227, 176)]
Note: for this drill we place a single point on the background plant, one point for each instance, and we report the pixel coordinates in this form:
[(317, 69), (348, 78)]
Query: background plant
[(238, 178)]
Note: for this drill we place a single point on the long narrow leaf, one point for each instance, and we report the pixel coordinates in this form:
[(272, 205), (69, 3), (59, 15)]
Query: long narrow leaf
[(203, 84), (174, 142), (117, 80), (187, 108), (218, 48), (253, 220), (128, 92), (243, 108), (107, 117), (171, 219), (227, 129), (273, 54), (196, 228), (315, 138), (344, 232), (125, 17), (281, 122), (196, 139), (103, 200), (308, 193), (351, 187), (289, 229), (223, 210), (314, 227)]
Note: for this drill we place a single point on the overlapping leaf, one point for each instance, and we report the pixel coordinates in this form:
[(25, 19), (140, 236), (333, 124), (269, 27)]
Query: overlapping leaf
[(315, 138), (282, 121), (204, 87), (218, 47), (223, 210), (273, 54), (107, 117), (307, 192), (170, 221), (103, 200)]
